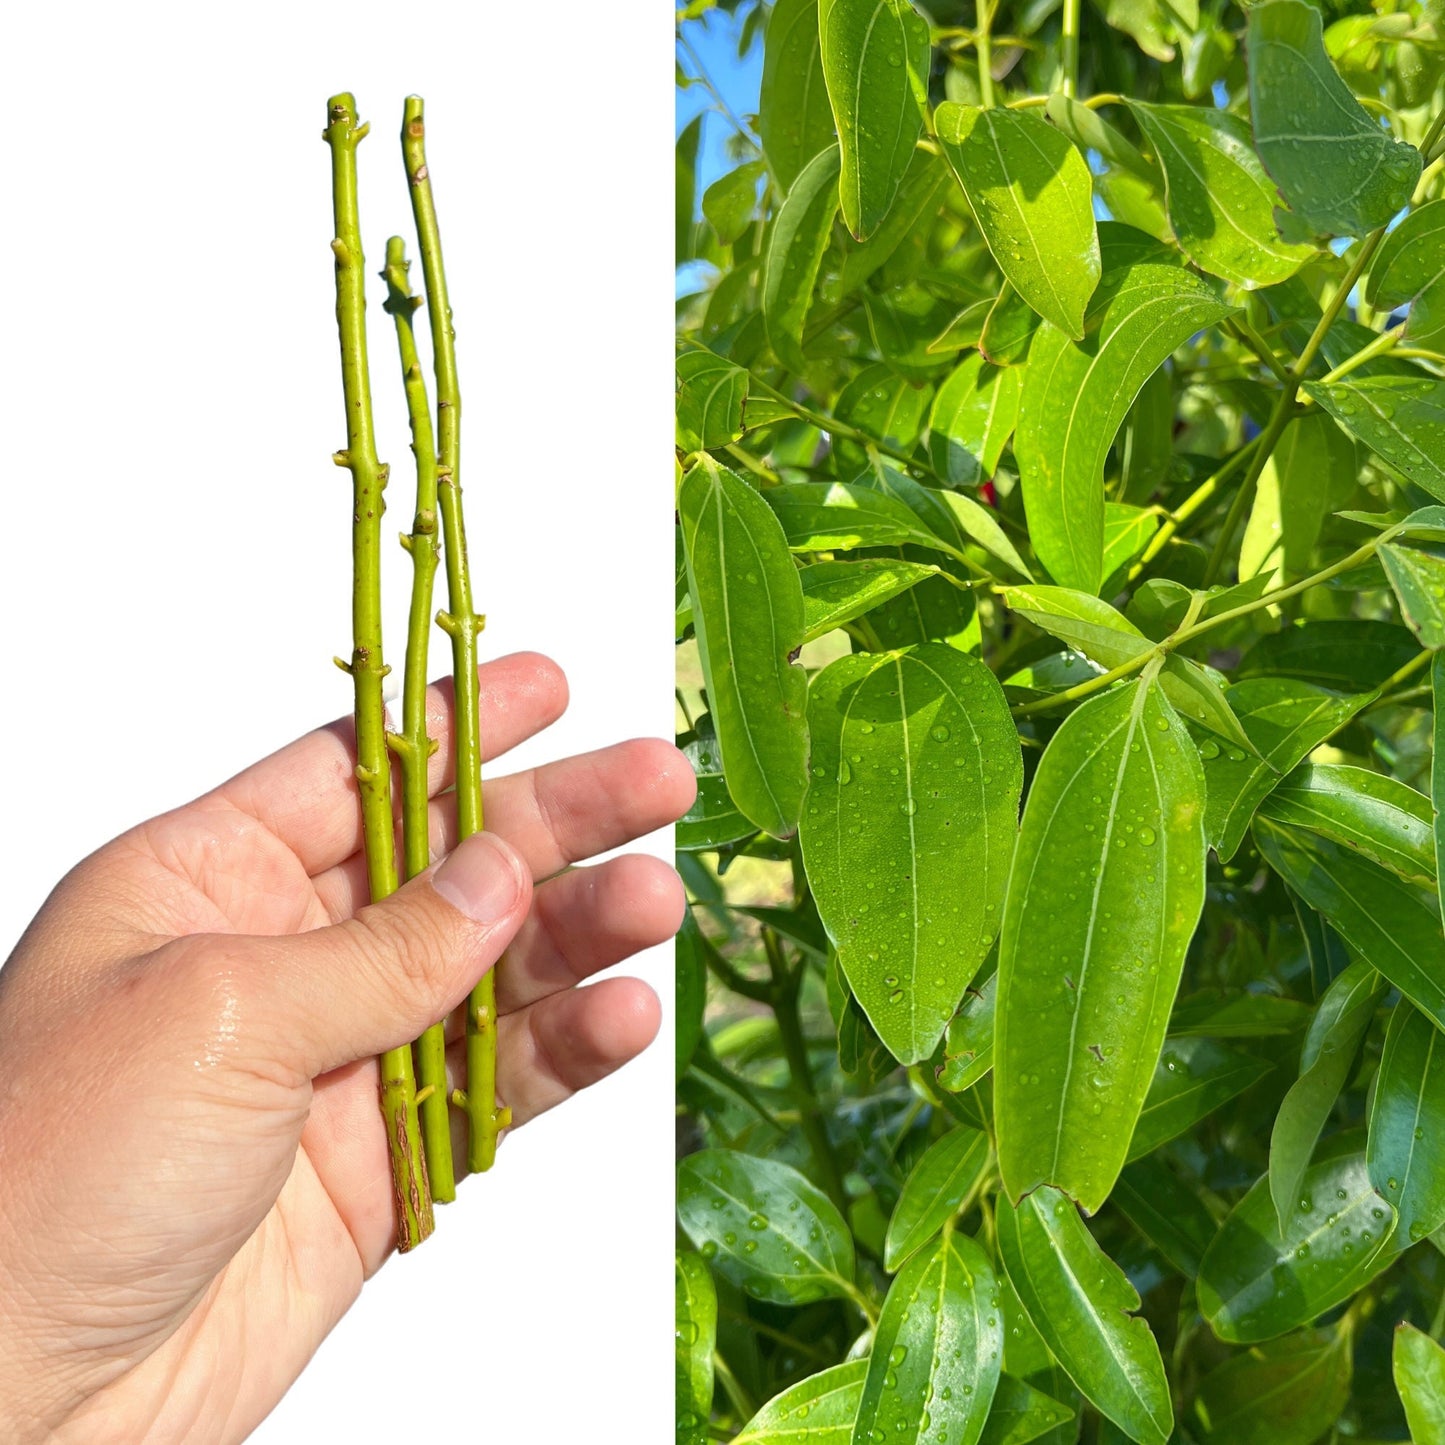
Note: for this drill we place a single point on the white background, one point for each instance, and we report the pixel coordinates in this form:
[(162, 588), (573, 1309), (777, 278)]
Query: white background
[(176, 540)]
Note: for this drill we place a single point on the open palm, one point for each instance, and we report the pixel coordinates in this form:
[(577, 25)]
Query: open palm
[(196, 1182)]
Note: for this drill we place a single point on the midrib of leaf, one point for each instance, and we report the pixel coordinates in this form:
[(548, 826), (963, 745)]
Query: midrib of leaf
[(1136, 711), (857, 98)]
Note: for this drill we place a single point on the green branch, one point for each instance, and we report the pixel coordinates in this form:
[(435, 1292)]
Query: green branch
[(367, 669), (412, 744), (462, 624)]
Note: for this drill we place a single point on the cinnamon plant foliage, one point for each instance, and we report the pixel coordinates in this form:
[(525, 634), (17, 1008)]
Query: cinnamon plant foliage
[(1061, 573)]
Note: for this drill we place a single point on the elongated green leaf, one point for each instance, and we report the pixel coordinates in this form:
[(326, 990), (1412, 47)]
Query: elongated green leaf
[(1391, 924), (968, 1042), (1095, 927), (762, 1225), (1286, 1392), (1437, 769), (691, 992), (1127, 531), (883, 405), (1089, 131), (1080, 1302), (1166, 1212), (714, 819), (1030, 193), (1340, 172), (684, 188), (1349, 653), (1103, 633), (716, 402), (973, 416), (1021, 1414), (1146, 444), (1259, 1280), (1211, 1014), (696, 1306), (794, 118), (828, 516), (817, 1411), (938, 1187), (1310, 472), (1193, 1078), (732, 200), (837, 592), (924, 183), (1418, 576), (1402, 418), (1285, 720), (1409, 269), (1220, 202), (1379, 817), (1419, 1369), (1334, 1038), (1076, 395), (875, 62), (936, 1349), (748, 612), (1008, 329), (1406, 1150), (909, 829), (977, 523), (800, 233)]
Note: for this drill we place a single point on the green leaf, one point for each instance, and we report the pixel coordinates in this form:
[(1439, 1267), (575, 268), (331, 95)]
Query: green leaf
[(1146, 444), (1079, 1300), (1391, 924), (1406, 1150), (691, 991), (1167, 1213), (837, 592), (1095, 928), (1220, 202), (763, 1226), (968, 1041), (1194, 1077), (696, 1307), (1020, 1414), (1340, 172), (1437, 769), (1285, 720), (978, 523), (1127, 531), (715, 404), (1008, 329), (1286, 1392), (1350, 653), (817, 1411), (684, 188), (882, 405), (1310, 472), (1418, 576), (1075, 397), (1089, 131), (1211, 1014), (1409, 270), (1419, 1368), (1402, 418), (1030, 193), (940, 1186), (973, 416), (732, 200), (936, 1348), (748, 612), (1377, 816), (713, 821), (1335, 1035), (794, 118), (1259, 1280), (828, 516), (800, 233), (909, 828), (1103, 633), (875, 61)]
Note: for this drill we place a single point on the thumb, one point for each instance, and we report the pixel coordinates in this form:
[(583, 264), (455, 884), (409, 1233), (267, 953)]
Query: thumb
[(374, 982)]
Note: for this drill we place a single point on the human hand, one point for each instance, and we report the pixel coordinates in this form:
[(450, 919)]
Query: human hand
[(195, 1182)]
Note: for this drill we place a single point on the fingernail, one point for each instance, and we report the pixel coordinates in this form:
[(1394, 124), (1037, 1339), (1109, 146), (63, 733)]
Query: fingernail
[(479, 878)]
